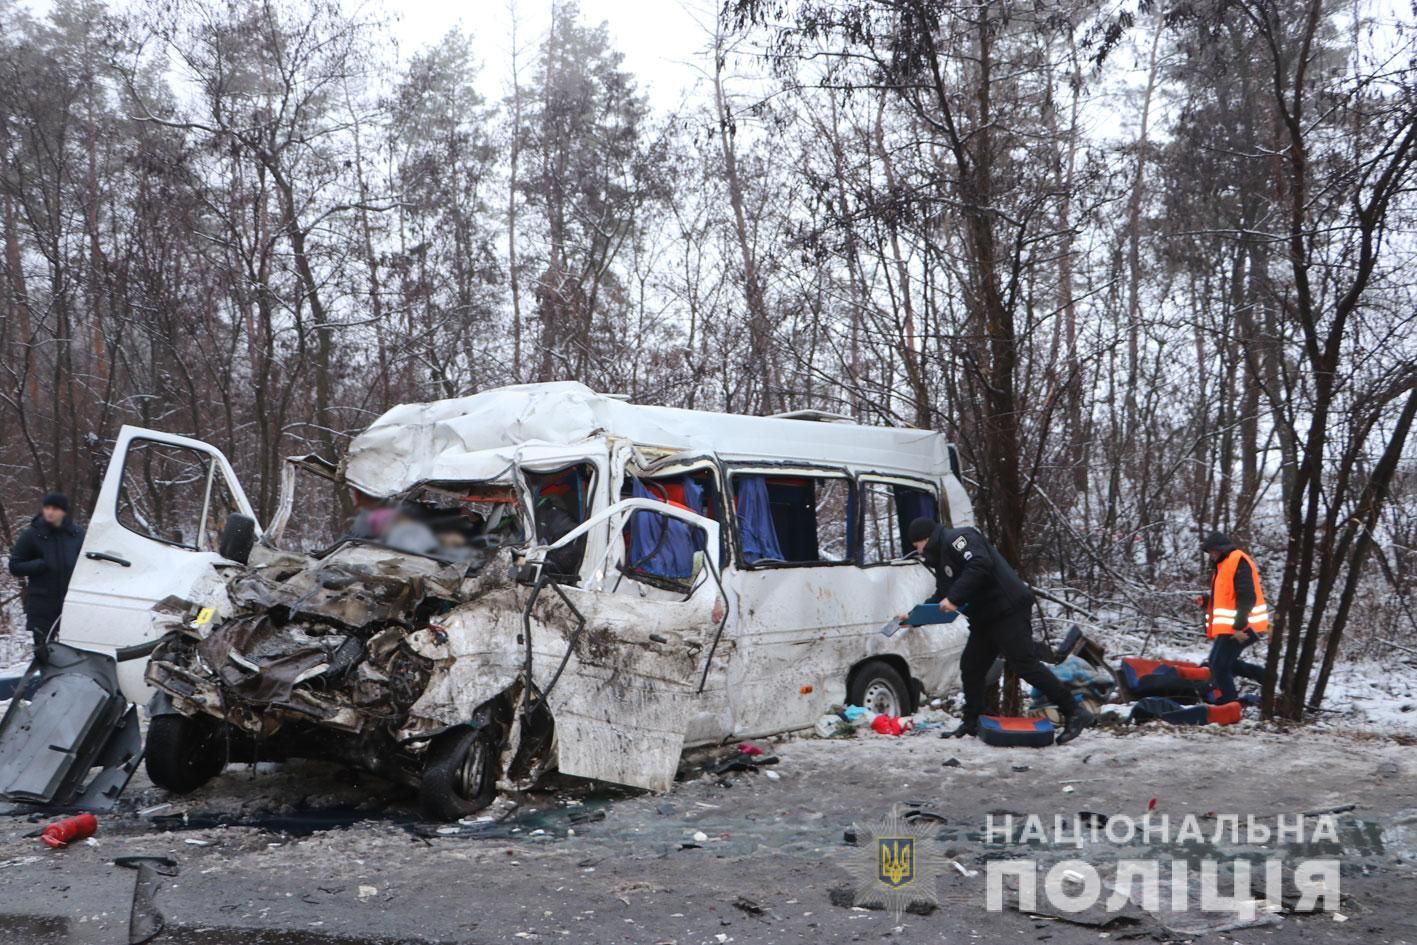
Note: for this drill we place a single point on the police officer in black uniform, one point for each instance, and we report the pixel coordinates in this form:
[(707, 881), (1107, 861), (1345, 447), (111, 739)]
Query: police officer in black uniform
[(969, 570)]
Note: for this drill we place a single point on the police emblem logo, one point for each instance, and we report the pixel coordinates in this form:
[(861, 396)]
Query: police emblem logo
[(897, 867), (898, 863), (949, 571), (959, 543)]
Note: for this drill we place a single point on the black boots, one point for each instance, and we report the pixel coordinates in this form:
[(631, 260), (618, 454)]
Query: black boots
[(1073, 724)]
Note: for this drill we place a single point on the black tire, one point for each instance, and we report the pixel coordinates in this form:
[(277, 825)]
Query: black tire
[(238, 537), (184, 753), (878, 686), (460, 772)]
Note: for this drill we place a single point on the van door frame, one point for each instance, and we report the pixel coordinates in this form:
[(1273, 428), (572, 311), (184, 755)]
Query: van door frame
[(93, 600)]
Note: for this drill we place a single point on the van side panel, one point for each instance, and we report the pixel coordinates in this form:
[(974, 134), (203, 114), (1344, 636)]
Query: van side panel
[(801, 630)]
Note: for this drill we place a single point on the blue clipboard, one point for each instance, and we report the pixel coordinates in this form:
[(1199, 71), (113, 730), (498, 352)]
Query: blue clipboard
[(924, 614), (921, 615)]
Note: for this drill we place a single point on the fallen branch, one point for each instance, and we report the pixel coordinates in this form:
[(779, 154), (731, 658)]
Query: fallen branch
[(1398, 646), (1064, 603)]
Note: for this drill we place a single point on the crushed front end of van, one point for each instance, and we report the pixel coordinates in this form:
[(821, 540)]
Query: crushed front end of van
[(360, 655), (443, 667)]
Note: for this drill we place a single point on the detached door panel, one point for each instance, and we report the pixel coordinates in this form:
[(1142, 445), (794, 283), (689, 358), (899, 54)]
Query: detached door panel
[(154, 533)]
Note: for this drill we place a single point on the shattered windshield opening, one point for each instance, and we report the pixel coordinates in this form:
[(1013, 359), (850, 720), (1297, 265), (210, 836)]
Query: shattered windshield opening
[(448, 521)]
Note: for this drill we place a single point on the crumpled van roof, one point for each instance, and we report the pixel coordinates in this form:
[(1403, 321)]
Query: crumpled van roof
[(474, 437)]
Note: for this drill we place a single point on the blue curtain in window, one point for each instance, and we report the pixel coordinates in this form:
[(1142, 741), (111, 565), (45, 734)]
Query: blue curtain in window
[(911, 504), (694, 499), (660, 545), (755, 519)]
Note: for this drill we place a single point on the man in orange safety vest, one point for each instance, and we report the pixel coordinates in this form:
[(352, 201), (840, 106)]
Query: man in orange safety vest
[(1235, 614)]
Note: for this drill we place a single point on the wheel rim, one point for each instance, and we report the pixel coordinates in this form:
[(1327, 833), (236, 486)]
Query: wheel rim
[(881, 698), (472, 770)]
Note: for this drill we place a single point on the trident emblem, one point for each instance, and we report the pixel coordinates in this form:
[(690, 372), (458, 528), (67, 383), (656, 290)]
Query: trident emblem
[(897, 860)]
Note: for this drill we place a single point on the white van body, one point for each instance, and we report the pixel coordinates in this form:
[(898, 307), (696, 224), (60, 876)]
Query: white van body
[(632, 666)]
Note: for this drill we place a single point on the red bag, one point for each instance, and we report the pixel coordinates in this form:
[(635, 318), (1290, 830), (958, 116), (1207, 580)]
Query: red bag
[(887, 725)]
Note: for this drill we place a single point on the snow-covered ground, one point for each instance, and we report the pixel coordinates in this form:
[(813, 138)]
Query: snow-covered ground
[(14, 653), (1369, 695)]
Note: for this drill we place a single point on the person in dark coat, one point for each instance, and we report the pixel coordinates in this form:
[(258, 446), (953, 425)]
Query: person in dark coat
[(45, 555), (970, 572)]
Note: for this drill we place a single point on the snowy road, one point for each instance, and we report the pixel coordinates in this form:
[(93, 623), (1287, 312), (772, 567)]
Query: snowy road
[(772, 865)]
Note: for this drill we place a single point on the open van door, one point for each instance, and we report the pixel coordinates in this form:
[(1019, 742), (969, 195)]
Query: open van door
[(624, 704), (155, 532)]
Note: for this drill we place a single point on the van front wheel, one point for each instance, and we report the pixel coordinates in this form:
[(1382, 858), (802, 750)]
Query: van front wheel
[(184, 753), (878, 687), (460, 772)]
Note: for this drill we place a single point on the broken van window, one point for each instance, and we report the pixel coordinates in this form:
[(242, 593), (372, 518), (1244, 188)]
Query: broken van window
[(662, 551), (805, 519), (887, 510), (165, 491), (318, 517), (560, 502), (221, 507), (660, 547)]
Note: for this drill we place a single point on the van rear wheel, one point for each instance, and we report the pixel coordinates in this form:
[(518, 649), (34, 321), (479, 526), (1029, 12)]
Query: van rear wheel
[(878, 687)]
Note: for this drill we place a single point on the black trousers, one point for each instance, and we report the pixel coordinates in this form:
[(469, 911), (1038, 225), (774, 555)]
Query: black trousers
[(1011, 637)]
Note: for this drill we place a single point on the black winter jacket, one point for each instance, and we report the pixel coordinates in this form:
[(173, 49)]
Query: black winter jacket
[(45, 556), (969, 570)]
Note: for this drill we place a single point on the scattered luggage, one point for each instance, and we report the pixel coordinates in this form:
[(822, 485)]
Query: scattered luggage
[(1091, 685)]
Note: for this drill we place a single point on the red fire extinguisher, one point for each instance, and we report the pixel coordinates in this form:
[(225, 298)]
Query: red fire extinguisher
[(63, 832)]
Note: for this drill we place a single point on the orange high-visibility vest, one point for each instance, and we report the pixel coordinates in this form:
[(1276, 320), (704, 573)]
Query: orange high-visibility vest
[(1221, 616)]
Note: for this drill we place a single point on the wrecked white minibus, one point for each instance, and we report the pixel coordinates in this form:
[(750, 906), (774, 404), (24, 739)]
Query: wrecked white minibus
[(537, 578)]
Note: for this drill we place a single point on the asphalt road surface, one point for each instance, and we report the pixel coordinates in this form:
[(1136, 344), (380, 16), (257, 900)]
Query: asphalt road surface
[(311, 854)]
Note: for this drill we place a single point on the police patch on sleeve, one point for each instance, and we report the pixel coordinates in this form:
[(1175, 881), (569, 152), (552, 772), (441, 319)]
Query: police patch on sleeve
[(959, 543), (949, 571)]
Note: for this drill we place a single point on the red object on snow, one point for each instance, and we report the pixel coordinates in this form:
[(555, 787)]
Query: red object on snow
[(747, 748), (887, 725), (1228, 713), (1152, 805), (61, 833)]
